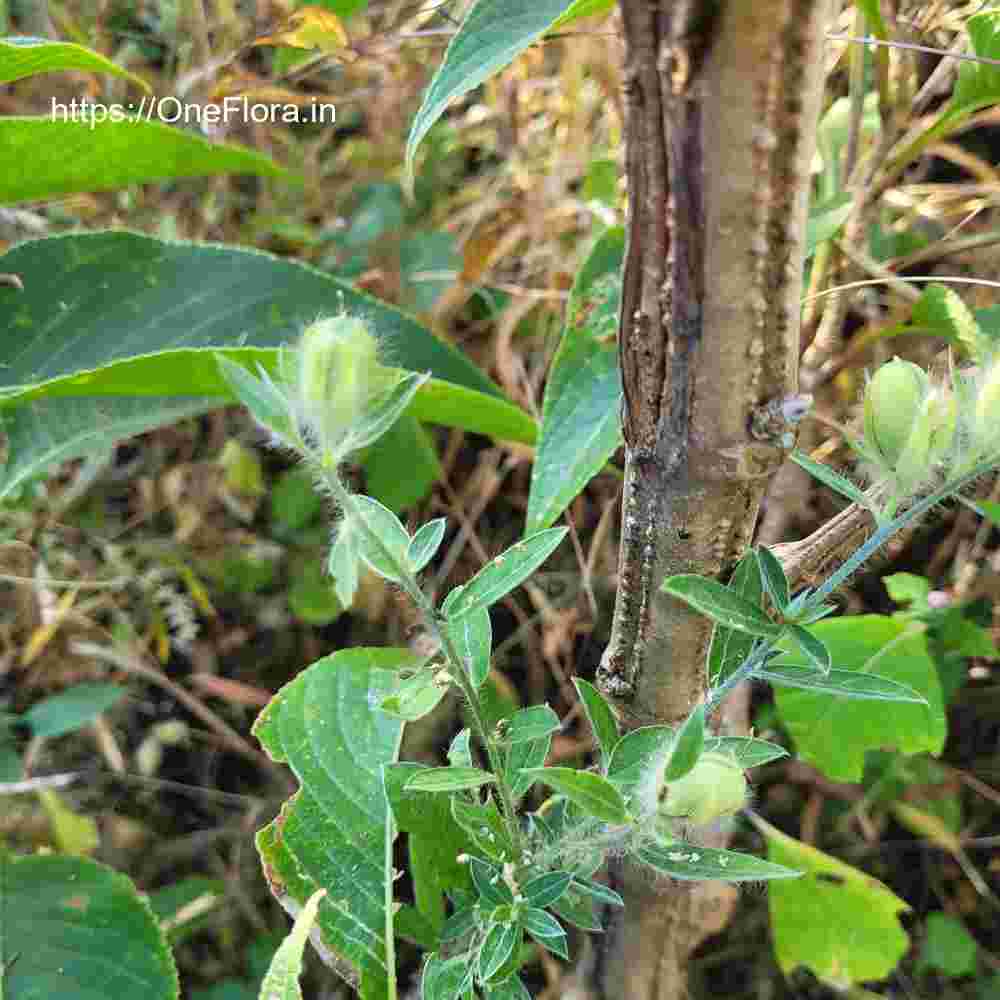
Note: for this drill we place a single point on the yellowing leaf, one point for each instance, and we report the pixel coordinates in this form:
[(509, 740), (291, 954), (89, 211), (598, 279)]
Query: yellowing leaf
[(309, 28), (836, 920), (72, 833)]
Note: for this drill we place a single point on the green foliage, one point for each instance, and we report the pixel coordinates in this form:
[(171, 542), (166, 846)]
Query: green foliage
[(282, 979), (581, 425), (73, 928), (22, 57)]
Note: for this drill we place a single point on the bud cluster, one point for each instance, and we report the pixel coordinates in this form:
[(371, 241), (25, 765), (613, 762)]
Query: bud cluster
[(917, 434)]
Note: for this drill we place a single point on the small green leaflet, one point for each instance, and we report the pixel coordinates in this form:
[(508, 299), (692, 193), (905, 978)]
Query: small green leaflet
[(449, 779), (593, 793), (722, 605)]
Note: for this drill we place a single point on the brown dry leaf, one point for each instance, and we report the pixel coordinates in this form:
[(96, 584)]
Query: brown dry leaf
[(309, 28)]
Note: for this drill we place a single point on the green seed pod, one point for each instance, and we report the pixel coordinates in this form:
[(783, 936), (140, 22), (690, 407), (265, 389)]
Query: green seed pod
[(893, 401), (715, 787), (337, 369)]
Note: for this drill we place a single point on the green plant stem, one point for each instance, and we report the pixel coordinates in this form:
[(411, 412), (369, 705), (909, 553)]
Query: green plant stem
[(456, 668)]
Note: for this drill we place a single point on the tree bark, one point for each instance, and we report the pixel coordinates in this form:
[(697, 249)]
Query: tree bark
[(723, 99)]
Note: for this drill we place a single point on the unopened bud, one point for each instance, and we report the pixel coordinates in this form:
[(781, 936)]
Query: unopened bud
[(893, 401), (715, 787), (337, 368)]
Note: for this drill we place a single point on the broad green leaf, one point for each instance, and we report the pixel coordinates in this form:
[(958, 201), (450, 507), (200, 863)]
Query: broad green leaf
[(386, 553), (827, 476), (530, 724), (22, 57), (434, 842), (749, 752), (425, 543), (449, 779), (869, 650), (405, 445), (546, 889), (600, 716), (74, 928), (71, 709), (42, 158), (692, 863), (722, 605), (730, 647), (948, 946), (837, 921), (492, 34), (282, 979), (490, 885), (497, 946), (326, 725), (687, 747), (772, 575), (460, 923), (581, 420), (941, 312), (509, 989), (126, 296), (811, 647), (978, 84), (472, 636), (416, 697), (503, 573), (594, 794), (295, 501), (577, 908), (583, 8), (636, 752)]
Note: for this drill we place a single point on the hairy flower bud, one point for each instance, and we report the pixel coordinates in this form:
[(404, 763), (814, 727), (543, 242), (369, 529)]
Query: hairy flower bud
[(894, 398), (715, 787), (337, 372)]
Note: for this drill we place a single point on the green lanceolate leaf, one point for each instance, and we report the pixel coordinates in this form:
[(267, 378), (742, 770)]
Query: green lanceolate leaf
[(522, 761), (581, 420), (748, 752), (730, 647), (261, 397), (472, 636), (386, 553), (583, 8), (492, 34), (594, 794), (836, 920), (489, 883), (44, 158), (598, 891), (773, 577), (70, 927), (601, 717), (687, 747), (722, 605), (886, 660), (281, 982), (546, 889), (546, 930), (425, 543), (827, 476), (812, 648), (503, 573), (325, 724), (446, 979), (530, 724), (415, 697), (636, 751), (484, 826), (496, 949), (690, 863), (449, 779)]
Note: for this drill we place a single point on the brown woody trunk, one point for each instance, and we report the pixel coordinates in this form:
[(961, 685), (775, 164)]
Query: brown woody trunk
[(722, 99)]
